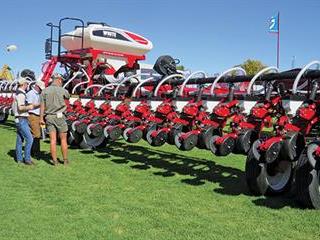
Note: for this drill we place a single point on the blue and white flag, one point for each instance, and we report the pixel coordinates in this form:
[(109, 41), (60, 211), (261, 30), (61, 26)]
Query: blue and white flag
[(274, 24)]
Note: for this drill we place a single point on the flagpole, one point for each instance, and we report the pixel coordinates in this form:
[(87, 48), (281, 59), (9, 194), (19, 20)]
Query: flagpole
[(278, 42)]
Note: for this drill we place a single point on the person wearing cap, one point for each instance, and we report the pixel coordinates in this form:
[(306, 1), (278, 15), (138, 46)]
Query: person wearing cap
[(33, 97), (20, 109), (52, 107)]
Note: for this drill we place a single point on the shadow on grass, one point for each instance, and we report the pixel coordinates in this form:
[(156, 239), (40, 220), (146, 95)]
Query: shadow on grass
[(231, 181), (199, 171), (9, 125), (46, 157), (277, 202), (287, 199)]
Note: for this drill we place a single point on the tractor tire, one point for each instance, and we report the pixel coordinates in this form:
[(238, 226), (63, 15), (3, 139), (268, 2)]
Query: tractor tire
[(245, 141), (3, 117), (267, 179), (307, 182)]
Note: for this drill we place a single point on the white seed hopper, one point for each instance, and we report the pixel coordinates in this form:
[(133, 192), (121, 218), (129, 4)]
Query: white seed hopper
[(102, 37)]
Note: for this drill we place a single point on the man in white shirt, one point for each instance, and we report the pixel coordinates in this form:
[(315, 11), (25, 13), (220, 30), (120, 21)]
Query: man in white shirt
[(33, 97), (20, 108)]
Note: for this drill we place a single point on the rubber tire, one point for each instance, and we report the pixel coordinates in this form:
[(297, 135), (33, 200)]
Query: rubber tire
[(212, 144), (273, 152), (256, 175), (81, 128), (90, 142), (307, 182), (159, 140), (222, 150), (292, 146), (243, 144), (204, 138), (184, 146), (150, 126), (97, 131), (135, 137), (84, 145), (115, 134), (173, 132), (74, 138)]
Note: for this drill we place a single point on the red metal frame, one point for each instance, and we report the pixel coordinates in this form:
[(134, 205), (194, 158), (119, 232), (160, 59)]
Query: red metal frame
[(88, 54)]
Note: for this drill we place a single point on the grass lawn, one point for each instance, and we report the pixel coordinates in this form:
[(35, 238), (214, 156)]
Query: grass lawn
[(140, 192)]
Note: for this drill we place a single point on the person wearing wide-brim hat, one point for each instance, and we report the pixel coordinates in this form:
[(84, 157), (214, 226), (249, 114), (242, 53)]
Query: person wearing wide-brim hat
[(33, 97)]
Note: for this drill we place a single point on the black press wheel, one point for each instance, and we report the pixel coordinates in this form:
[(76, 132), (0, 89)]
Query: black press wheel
[(212, 144), (292, 146), (245, 140), (226, 147), (307, 183), (185, 143), (81, 127), (204, 138), (267, 179), (112, 133), (177, 128), (132, 135), (74, 138), (92, 142), (148, 128), (156, 138)]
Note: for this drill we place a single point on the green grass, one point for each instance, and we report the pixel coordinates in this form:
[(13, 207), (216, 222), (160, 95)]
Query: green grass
[(140, 192)]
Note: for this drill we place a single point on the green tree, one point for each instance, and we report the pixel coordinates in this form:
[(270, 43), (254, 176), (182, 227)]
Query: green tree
[(180, 67), (252, 66)]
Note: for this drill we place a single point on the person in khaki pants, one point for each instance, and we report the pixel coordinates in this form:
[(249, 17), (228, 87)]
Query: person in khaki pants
[(33, 97)]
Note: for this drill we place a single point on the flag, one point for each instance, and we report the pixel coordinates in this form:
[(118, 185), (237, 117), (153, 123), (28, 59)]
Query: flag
[(274, 24)]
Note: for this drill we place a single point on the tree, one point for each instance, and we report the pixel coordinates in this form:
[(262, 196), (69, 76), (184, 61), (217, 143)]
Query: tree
[(180, 67), (252, 66)]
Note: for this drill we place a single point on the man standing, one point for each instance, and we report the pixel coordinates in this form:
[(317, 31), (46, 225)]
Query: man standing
[(20, 110), (33, 97), (52, 106)]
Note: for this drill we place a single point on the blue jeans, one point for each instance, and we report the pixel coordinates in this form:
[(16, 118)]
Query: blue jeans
[(23, 134)]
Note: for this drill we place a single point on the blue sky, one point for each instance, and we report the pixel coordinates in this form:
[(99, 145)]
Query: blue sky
[(205, 35)]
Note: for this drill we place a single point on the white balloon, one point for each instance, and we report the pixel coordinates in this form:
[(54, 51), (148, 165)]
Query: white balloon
[(11, 48)]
